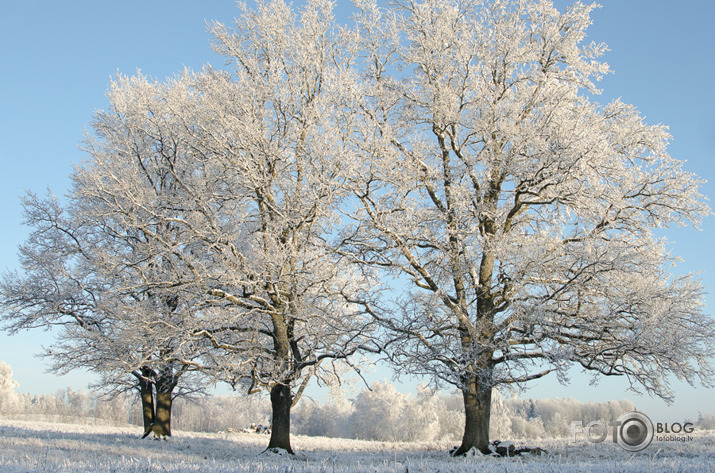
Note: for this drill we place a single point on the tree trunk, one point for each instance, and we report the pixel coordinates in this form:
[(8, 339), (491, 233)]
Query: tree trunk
[(162, 421), (281, 401), (146, 390), (477, 409), (161, 425)]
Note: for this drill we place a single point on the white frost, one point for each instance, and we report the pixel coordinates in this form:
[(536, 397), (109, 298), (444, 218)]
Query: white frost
[(40, 447)]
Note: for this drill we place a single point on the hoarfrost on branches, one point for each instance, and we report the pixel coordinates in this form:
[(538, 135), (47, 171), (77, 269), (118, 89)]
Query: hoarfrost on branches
[(521, 211)]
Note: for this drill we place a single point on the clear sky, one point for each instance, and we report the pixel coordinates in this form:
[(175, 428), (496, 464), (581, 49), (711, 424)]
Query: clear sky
[(58, 57)]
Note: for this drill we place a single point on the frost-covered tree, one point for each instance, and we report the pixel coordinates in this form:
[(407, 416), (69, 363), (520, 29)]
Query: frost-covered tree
[(380, 413), (10, 401), (101, 324), (274, 131), (332, 419), (105, 267), (135, 187), (524, 214), (706, 421)]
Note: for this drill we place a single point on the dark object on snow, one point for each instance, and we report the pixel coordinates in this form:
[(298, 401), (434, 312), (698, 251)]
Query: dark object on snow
[(507, 449), (503, 449)]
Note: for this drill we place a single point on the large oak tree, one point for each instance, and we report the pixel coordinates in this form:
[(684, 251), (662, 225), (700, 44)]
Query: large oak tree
[(523, 214)]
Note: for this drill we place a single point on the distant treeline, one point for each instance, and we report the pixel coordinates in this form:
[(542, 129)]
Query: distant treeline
[(380, 414)]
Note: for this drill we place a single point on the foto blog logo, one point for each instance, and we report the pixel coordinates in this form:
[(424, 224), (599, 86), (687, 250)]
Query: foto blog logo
[(633, 431)]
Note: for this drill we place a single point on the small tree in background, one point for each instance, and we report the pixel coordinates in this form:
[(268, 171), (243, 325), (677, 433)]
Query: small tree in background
[(10, 402)]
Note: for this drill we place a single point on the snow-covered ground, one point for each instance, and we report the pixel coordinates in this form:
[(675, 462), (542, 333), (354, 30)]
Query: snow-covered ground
[(47, 447)]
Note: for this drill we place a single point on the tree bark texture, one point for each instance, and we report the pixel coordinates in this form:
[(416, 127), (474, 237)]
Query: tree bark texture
[(281, 401), (477, 409), (146, 390), (161, 424), (162, 420)]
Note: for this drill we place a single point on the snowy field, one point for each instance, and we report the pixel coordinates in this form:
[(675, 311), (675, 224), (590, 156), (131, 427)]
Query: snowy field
[(46, 447)]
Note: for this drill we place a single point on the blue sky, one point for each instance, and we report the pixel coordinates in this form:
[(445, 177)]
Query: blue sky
[(58, 57)]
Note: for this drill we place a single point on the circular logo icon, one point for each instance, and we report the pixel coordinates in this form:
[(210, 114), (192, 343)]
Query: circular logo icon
[(635, 431)]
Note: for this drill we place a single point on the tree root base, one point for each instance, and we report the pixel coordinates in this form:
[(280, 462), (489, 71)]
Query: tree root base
[(279, 451)]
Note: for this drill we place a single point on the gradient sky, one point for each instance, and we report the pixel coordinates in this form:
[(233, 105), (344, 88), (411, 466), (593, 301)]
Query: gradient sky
[(58, 57)]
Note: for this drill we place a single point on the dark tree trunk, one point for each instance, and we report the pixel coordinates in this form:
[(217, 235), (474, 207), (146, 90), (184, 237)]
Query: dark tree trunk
[(161, 425), (281, 401), (146, 390), (162, 420), (477, 409)]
